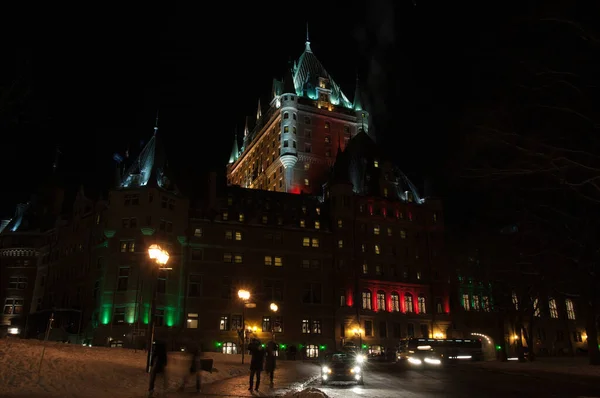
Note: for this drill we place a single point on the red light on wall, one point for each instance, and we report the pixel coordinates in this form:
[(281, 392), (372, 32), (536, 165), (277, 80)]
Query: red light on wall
[(349, 298), (371, 209), (410, 215), (295, 191)]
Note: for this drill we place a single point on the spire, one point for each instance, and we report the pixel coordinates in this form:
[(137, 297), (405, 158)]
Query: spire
[(307, 43), (234, 150), (357, 97), (258, 111), (156, 123), (246, 129)]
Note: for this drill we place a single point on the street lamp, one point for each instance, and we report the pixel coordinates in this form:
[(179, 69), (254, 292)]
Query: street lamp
[(273, 308), (244, 295), (161, 258)]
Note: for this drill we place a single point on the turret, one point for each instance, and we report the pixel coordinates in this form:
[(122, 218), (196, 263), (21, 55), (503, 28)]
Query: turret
[(247, 138), (289, 128), (362, 116), (258, 111)]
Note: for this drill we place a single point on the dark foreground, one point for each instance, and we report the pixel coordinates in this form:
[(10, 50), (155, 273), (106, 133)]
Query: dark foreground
[(383, 381)]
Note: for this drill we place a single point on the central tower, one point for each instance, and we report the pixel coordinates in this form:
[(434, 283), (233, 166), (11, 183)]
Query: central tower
[(292, 145)]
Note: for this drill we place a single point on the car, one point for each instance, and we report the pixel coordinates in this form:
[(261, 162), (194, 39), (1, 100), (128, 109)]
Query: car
[(343, 366)]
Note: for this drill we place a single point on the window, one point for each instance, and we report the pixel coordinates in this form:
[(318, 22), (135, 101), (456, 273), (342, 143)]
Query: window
[(238, 259), (486, 304), (268, 260), (306, 326), (227, 257), (225, 216), (306, 182), (382, 329), (122, 279), (241, 217), (265, 219), (424, 330), (376, 230), (198, 232), (317, 224), (365, 268), (127, 246), (192, 321), (408, 303), (389, 231), (368, 328), (342, 296), (228, 235), (380, 301), (312, 351), (238, 235), (236, 322), (395, 302), (366, 300), (552, 308), (194, 285), (161, 286), (515, 300), (402, 234), (316, 326), (377, 249), (312, 293), (466, 302), (570, 309), (224, 323), (476, 303), (273, 290), (229, 348), (315, 242), (13, 306), (422, 307), (537, 312), (278, 262), (266, 324), (375, 163), (17, 282), (278, 324), (340, 223), (410, 330), (119, 315)]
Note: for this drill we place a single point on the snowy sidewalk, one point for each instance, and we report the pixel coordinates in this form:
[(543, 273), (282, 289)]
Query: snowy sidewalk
[(290, 377), (575, 366)]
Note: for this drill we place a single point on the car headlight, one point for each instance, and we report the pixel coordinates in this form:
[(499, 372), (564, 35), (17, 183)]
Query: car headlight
[(325, 369), (356, 369), (360, 358)]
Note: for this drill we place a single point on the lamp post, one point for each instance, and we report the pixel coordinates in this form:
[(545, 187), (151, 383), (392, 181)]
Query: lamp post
[(358, 332), (161, 258), (243, 295), (273, 308)]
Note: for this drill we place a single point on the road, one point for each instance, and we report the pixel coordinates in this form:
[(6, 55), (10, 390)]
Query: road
[(383, 381)]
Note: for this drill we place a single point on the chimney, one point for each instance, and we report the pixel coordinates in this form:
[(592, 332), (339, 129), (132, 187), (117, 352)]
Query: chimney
[(212, 190)]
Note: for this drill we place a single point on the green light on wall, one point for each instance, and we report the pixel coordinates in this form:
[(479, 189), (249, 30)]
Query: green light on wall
[(105, 314)]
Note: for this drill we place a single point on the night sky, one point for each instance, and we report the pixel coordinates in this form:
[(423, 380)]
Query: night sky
[(91, 80)]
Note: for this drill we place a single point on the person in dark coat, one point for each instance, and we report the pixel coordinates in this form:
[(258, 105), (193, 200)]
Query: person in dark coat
[(270, 360), (159, 363), (194, 370), (256, 363)]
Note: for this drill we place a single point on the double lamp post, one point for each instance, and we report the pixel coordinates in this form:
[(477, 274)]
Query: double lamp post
[(161, 258), (245, 295)]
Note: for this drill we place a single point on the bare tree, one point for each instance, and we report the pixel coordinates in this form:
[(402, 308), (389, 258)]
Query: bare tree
[(539, 147)]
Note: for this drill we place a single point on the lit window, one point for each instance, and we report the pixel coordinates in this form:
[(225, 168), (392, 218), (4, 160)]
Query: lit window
[(537, 312), (570, 309), (225, 216), (340, 223), (403, 234), (315, 242), (306, 182), (366, 300), (376, 230), (317, 225), (306, 166), (381, 301), (241, 217), (229, 235), (377, 249), (192, 321), (395, 302), (552, 308), (238, 259), (238, 235), (376, 163), (318, 210), (278, 262), (198, 232), (422, 308), (408, 303), (389, 231), (340, 244), (265, 219), (268, 260), (302, 223), (476, 303), (306, 242), (385, 192), (466, 302), (365, 268)]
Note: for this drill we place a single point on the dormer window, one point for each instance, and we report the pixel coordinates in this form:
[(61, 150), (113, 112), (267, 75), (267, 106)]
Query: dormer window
[(286, 129), (286, 115)]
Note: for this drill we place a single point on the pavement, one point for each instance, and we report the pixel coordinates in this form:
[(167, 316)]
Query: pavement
[(393, 380)]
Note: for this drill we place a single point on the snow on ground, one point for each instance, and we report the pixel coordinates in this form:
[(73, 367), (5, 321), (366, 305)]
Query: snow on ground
[(307, 393), (567, 365), (76, 371)]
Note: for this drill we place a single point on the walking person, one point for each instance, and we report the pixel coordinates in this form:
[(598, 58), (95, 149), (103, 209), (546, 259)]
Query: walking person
[(256, 363), (159, 363), (270, 360), (194, 370)]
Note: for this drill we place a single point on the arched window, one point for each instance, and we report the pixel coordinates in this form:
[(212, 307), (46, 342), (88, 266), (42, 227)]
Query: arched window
[(381, 301), (229, 348), (312, 351), (422, 306), (570, 309), (286, 115), (408, 303), (366, 300), (552, 308), (395, 302)]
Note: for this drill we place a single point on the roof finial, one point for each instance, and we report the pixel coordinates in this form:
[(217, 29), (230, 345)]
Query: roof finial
[(156, 123), (307, 44)]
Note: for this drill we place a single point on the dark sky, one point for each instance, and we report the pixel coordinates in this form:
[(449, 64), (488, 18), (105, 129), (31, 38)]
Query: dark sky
[(95, 77)]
